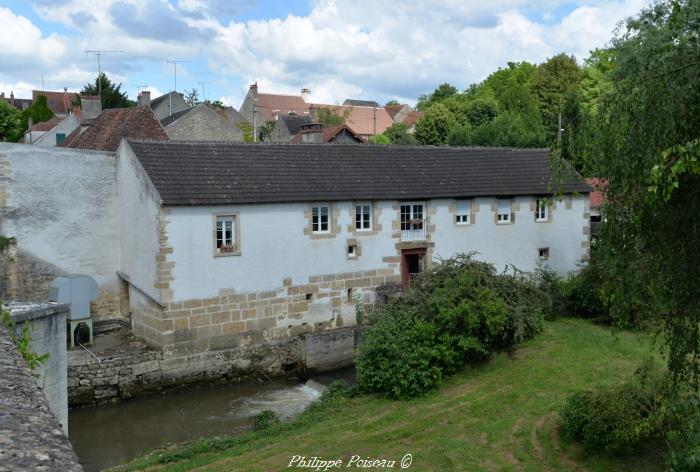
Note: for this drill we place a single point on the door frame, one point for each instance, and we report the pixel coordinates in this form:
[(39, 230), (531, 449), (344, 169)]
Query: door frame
[(405, 275)]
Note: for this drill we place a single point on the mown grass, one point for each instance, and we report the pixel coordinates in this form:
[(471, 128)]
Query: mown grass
[(502, 415)]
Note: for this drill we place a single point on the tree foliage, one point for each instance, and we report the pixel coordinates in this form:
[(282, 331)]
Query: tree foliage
[(650, 122), (398, 134), (112, 94), (10, 122), (435, 125), (330, 117), (192, 97), (441, 93), (551, 83)]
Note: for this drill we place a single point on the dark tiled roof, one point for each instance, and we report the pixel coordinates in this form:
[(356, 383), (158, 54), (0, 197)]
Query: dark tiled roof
[(294, 122), (208, 173), (361, 103), (170, 118), (108, 129)]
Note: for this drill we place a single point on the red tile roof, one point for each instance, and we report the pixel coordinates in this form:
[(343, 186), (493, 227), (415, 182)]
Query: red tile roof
[(58, 102), (597, 197), (47, 125), (366, 121), (328, 134), (270, 104), (108, 129)]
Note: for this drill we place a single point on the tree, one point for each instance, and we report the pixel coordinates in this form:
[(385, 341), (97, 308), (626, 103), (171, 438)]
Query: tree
[(112, 95), (508, 129), (551, 83), (439, 94), (391, 103), (435, 125), (10, 123), (330, 117), (192, 97), (247, 129), (265, 130), (650, 138), (379, 139), (398, 134)]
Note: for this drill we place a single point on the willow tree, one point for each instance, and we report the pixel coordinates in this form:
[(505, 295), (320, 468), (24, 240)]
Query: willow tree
[(650, 130)]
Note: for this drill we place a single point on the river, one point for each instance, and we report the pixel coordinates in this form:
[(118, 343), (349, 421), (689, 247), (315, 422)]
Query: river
[(109, 435)]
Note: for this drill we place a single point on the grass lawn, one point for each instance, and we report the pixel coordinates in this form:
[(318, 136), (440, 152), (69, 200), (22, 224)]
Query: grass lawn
[(499, 416)]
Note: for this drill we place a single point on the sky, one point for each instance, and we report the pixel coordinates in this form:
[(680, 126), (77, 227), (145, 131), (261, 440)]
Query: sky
[(363, 49)]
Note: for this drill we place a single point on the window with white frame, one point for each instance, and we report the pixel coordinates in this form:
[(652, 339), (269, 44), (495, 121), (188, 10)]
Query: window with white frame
[(503, 215), (463, 212), (226, 234), (411, 216), (363, 217), (541, 210), (320, 219)]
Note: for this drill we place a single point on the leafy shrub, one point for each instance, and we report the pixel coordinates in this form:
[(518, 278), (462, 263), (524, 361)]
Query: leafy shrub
[(265, 419), (684, 439), (581, 293), (459, 311), (399, 356), (619, 418)]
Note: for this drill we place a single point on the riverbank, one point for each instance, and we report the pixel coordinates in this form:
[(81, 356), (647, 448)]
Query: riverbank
[(499, 416)]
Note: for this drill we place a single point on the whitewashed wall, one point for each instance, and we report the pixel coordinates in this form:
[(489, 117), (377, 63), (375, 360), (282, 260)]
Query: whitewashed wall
[(138, 222), (274, 246), (60, 205)]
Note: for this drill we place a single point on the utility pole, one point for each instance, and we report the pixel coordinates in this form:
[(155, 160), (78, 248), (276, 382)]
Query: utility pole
[(255, 131), (170, 95), (559, 130), (99, 53)]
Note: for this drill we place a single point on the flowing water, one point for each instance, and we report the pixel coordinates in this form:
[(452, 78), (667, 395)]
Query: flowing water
[(110, 435)]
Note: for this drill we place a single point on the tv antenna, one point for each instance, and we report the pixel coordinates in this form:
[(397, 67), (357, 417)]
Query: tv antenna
[(170, 95), (204, 99), (99, 53)]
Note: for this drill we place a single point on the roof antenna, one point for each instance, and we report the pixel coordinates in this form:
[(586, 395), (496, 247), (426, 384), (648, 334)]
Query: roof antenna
[(170, 95), (99, 53)]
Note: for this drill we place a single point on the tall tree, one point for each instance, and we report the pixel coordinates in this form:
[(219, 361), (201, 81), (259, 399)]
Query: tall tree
[(650, 122), (112, 95), (551, 83), (439, 94), (398, 134)]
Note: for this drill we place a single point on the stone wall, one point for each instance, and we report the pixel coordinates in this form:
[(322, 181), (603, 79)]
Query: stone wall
[(233, 320), (48, 332), (137, 369), (30, 436)]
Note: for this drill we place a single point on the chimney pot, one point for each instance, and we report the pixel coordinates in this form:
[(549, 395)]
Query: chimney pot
[(144, 98), (254, 88)]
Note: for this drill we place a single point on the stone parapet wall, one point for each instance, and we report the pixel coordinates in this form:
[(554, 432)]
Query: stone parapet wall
[(30, 436), (141, 370), (233, 320)]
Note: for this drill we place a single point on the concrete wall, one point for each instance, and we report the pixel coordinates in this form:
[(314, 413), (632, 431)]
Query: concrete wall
[(61, 207), (48, 332), (30, 436), (162, 108), (203, 124)]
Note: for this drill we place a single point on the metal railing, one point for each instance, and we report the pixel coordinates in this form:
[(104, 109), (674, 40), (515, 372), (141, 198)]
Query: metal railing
[(413, 234)]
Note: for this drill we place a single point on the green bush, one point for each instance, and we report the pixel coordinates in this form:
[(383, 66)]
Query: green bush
[(459, 311), (265, 419), (684, 439), (399, 357), (619, 418)]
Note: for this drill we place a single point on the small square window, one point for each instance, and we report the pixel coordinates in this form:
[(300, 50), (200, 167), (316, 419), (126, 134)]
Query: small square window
[(363, 217), (541, 210), (352, 250), (503, 215), (463, 212), (543, 253), (320, 219)]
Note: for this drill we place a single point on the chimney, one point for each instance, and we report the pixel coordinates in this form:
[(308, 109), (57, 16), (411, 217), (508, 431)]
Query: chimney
[(12, 98), (144, 99), (312, 133), (90, 107), (312, 112), (305, 94), (254, 89)]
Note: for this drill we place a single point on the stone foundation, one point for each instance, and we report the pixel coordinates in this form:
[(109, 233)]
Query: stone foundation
[(237, 320), (138, 369)]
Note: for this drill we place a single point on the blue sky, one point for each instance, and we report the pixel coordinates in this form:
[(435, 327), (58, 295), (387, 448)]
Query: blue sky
[(368, 49)]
